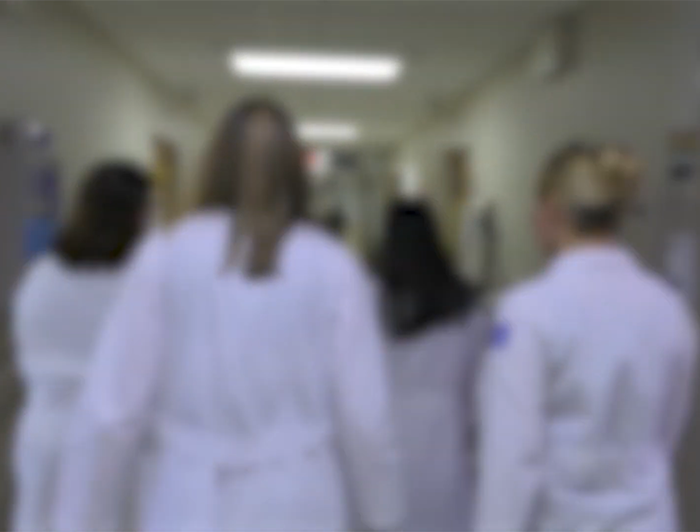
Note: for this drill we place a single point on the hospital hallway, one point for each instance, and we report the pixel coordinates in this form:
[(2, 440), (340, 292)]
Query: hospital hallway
[(455, 103)]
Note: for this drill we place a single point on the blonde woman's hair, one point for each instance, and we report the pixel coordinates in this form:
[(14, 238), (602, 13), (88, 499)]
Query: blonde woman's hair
[(593, 184)]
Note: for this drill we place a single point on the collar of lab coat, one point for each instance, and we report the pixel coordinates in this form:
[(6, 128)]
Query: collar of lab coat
[(594, 257)]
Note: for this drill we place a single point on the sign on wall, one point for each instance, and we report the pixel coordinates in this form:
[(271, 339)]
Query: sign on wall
[(680, 251), (30, 145)]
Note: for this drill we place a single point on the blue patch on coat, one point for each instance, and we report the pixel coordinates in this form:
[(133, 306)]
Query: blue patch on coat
[(500, 334)]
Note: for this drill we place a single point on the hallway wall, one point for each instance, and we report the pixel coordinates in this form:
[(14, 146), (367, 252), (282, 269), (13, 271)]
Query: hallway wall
[(57, 69), (634, 82)]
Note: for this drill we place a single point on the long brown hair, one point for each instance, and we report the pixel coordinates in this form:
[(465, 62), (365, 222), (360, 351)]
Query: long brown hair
[(255, 167)]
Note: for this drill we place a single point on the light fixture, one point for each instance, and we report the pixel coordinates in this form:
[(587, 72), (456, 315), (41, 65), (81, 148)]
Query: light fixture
[(340, 68), (328, 132)]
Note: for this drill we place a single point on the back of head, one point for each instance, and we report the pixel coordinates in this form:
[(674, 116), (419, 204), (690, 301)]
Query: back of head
[(255, 167), (108, 218), (594, 185), (412, 250), (420, 287)]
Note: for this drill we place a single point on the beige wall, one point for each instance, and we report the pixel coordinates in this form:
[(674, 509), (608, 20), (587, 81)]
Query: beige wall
[(56, 68), (633, 83), (636, 80)]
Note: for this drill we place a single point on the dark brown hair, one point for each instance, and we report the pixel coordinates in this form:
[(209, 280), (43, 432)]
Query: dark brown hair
[(420, 286), (108, 217), (255, 167)]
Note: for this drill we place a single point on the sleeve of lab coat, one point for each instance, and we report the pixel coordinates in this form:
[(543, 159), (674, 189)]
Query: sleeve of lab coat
[(682, 379), (477, 335), (34, 455), (364, 421), (116, 403), (511, 429)]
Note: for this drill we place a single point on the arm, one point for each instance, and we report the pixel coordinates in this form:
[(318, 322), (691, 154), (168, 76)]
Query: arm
[(116, 404), (511, 420), (681, 381), (477, 336), (363, 414), (34, 453)]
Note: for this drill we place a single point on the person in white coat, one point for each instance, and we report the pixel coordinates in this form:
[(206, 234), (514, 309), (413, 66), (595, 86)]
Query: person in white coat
[(57, 310), (245, 358), (438, 330), (586, 388)]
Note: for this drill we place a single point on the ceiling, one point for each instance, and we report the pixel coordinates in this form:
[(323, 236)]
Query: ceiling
[(448, 46)]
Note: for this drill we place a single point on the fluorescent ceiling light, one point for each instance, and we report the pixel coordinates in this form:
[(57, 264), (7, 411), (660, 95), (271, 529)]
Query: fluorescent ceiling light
[(316, 67), (328, 132)]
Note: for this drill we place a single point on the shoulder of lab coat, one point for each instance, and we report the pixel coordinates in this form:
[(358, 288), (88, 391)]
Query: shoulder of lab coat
[(32, 274), (49, 309), (684, 333), (511, 424), (30, 291), (26, 292)]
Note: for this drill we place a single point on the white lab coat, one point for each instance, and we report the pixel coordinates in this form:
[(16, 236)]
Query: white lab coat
[(56, 314), (434, 376), (585, 394), (257, 399)]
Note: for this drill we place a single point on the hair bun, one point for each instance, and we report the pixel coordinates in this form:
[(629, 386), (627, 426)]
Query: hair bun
[(623, 170)]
